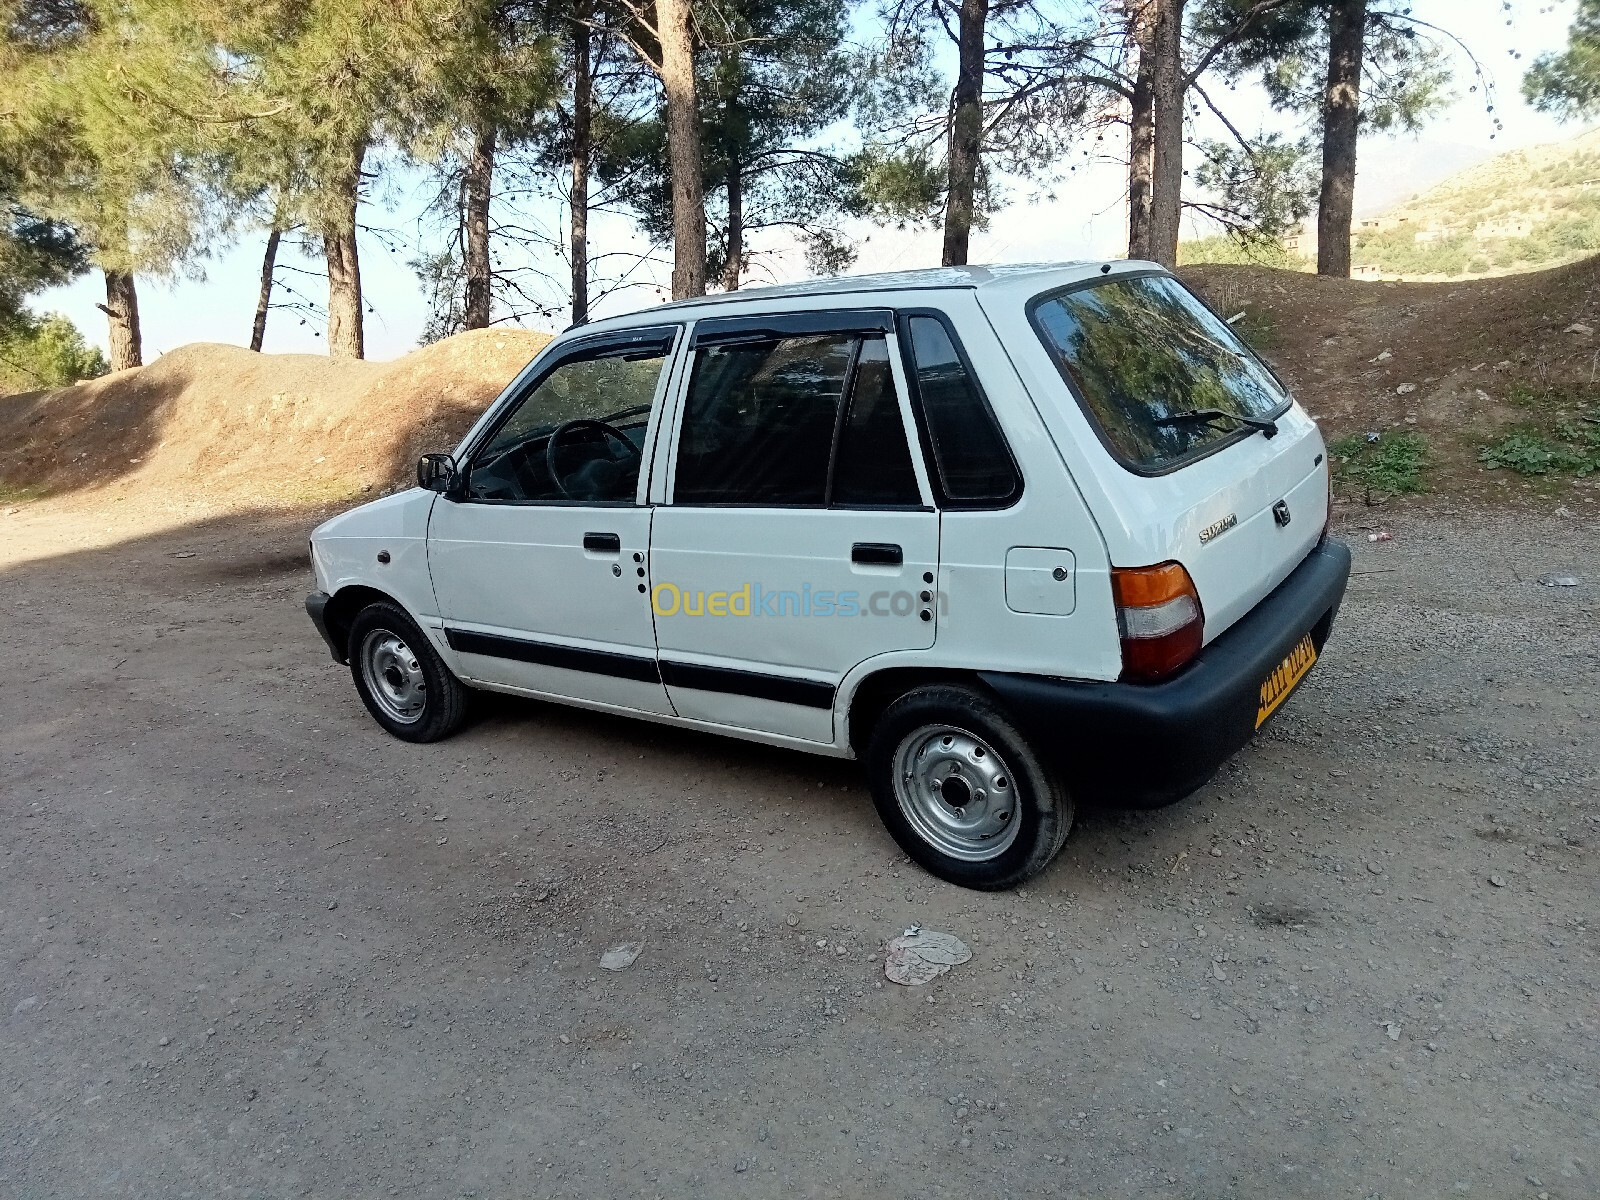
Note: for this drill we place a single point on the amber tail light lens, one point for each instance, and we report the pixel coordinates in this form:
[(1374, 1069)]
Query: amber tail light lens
[(1158, 618)]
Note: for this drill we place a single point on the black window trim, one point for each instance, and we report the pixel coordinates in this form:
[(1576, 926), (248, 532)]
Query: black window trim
[(609, 344), (941, 498), (1204, 451), (778, 327), (767, 327)]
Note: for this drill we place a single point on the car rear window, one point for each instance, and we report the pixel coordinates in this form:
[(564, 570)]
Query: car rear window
[(1142, 351)]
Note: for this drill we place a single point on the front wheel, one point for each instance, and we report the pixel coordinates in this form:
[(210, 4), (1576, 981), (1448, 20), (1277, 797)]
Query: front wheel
[(401, 678), (962, 792)]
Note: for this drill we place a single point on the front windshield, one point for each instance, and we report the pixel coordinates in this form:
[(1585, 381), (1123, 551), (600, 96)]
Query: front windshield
[(1143, 352)]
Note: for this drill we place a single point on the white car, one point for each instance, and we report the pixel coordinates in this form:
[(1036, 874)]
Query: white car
[(1014, 536)]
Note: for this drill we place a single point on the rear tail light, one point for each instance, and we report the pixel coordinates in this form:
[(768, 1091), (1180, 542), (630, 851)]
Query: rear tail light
[(1158, 618)]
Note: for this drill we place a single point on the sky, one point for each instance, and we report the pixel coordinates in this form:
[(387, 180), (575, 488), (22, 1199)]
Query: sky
[(1083, 217)]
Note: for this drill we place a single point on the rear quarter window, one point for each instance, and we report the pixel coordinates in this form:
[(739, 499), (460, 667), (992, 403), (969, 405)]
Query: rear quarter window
[(1141, 352)]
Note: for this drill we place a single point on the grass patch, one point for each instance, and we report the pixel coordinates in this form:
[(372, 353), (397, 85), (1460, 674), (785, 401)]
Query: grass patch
[(1529, 451), (11, 494), (1564, 437), (1394, 463)]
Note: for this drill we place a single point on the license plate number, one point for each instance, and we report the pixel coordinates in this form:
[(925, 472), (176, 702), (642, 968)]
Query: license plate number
[(1276, 687)]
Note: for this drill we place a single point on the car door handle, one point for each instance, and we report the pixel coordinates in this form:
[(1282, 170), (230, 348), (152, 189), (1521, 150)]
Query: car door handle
[(602, 543), (883, 554)]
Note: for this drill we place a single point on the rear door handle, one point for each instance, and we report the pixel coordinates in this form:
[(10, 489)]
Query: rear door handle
[(602, 543), (883, 554)]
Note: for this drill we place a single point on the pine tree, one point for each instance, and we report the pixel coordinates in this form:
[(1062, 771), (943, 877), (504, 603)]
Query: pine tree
[(100, 139), (1019, 101), (1568, 83), (1345, 66), (765, 100)]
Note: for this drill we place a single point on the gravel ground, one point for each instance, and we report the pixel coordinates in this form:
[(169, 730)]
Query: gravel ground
[(256, 948)]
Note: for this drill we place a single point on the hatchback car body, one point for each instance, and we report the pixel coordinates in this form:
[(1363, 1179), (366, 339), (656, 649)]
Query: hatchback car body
[(1014, 536)]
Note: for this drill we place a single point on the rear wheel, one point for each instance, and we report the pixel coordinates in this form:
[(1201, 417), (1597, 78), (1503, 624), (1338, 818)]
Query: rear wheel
[(401, 678), (962, 791)]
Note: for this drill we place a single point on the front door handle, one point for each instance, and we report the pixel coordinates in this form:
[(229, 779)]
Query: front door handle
[(602, 543), (882, 554)]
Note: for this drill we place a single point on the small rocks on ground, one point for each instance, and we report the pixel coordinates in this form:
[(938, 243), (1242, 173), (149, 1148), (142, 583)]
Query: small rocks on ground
[(620, 958)]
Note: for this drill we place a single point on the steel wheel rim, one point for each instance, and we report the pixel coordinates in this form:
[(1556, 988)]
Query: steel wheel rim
[(956, 792), (393, 676)]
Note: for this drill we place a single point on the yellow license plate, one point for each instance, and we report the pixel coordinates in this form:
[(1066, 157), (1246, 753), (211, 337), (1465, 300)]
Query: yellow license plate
[(1276, 687)]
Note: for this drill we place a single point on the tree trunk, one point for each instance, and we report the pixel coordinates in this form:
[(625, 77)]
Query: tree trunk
[(1141, 128), (735, 263), (966, 133), (582, 139), (122, 314), (479, 181), (269, 262), (674, 23), (345, 333), (1341, 119), (1166, 193)]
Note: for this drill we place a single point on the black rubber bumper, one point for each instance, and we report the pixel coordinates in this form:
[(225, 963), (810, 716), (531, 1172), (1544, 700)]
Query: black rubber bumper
[(317, 610), (1149, 744)]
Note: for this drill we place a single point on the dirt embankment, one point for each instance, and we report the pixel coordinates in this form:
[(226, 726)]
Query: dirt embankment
[(1462, 364), (220, 426), (208, 426)]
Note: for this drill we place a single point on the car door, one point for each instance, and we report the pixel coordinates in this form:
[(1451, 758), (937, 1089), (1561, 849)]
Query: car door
[(798, 539), (538, 555)]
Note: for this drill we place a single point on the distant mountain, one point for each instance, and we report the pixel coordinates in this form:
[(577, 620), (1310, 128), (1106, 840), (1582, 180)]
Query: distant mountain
[(1535, 207)]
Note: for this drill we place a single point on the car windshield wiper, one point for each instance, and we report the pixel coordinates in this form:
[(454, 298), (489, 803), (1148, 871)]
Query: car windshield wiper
[(1207, 415)]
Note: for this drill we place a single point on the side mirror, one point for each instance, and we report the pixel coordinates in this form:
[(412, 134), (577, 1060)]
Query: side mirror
[(436, 472)]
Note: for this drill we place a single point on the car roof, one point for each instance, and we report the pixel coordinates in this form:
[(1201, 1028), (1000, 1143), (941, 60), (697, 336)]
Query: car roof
[(1029, 276)]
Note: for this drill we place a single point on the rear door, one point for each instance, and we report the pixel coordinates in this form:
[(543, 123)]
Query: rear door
[(798, 539)]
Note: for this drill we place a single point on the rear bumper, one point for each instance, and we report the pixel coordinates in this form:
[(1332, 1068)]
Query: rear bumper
[(317, 610), (1148, 744)]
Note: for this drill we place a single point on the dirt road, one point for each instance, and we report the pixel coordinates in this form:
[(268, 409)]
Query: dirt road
[(254, 947)]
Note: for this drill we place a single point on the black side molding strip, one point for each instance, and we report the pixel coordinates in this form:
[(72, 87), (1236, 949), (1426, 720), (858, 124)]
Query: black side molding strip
[(547, 654), (784, 689)]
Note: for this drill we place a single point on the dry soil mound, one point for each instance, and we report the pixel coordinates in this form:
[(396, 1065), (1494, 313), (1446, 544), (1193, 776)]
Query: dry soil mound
[(1462, 364), (224, 426)]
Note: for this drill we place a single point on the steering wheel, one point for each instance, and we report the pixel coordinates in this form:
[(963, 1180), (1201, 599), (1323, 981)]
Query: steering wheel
[(567, 429)]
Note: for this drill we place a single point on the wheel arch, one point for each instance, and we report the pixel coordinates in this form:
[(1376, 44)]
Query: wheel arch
[(345, 603), (882, 688)]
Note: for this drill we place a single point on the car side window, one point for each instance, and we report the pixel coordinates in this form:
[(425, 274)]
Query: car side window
[(975, 469), (577, 436), (872, 466), (778, 422)]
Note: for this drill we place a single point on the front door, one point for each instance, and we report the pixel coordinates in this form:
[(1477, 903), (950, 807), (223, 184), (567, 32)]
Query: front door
[(539, 562), (799, 540)]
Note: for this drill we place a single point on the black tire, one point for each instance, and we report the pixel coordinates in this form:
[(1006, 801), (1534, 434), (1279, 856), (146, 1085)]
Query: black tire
[(958, 725), (441, 701)]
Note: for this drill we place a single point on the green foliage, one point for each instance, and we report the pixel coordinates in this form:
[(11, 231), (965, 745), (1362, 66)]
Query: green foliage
[(1261, 190), (45, 352), (1393, 464), (1568, 83), (776, 76), (1529, 452), (1405, 71), (1042, 93), (99, 133), (1564, 436), (1228, 250), (34, 254)]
